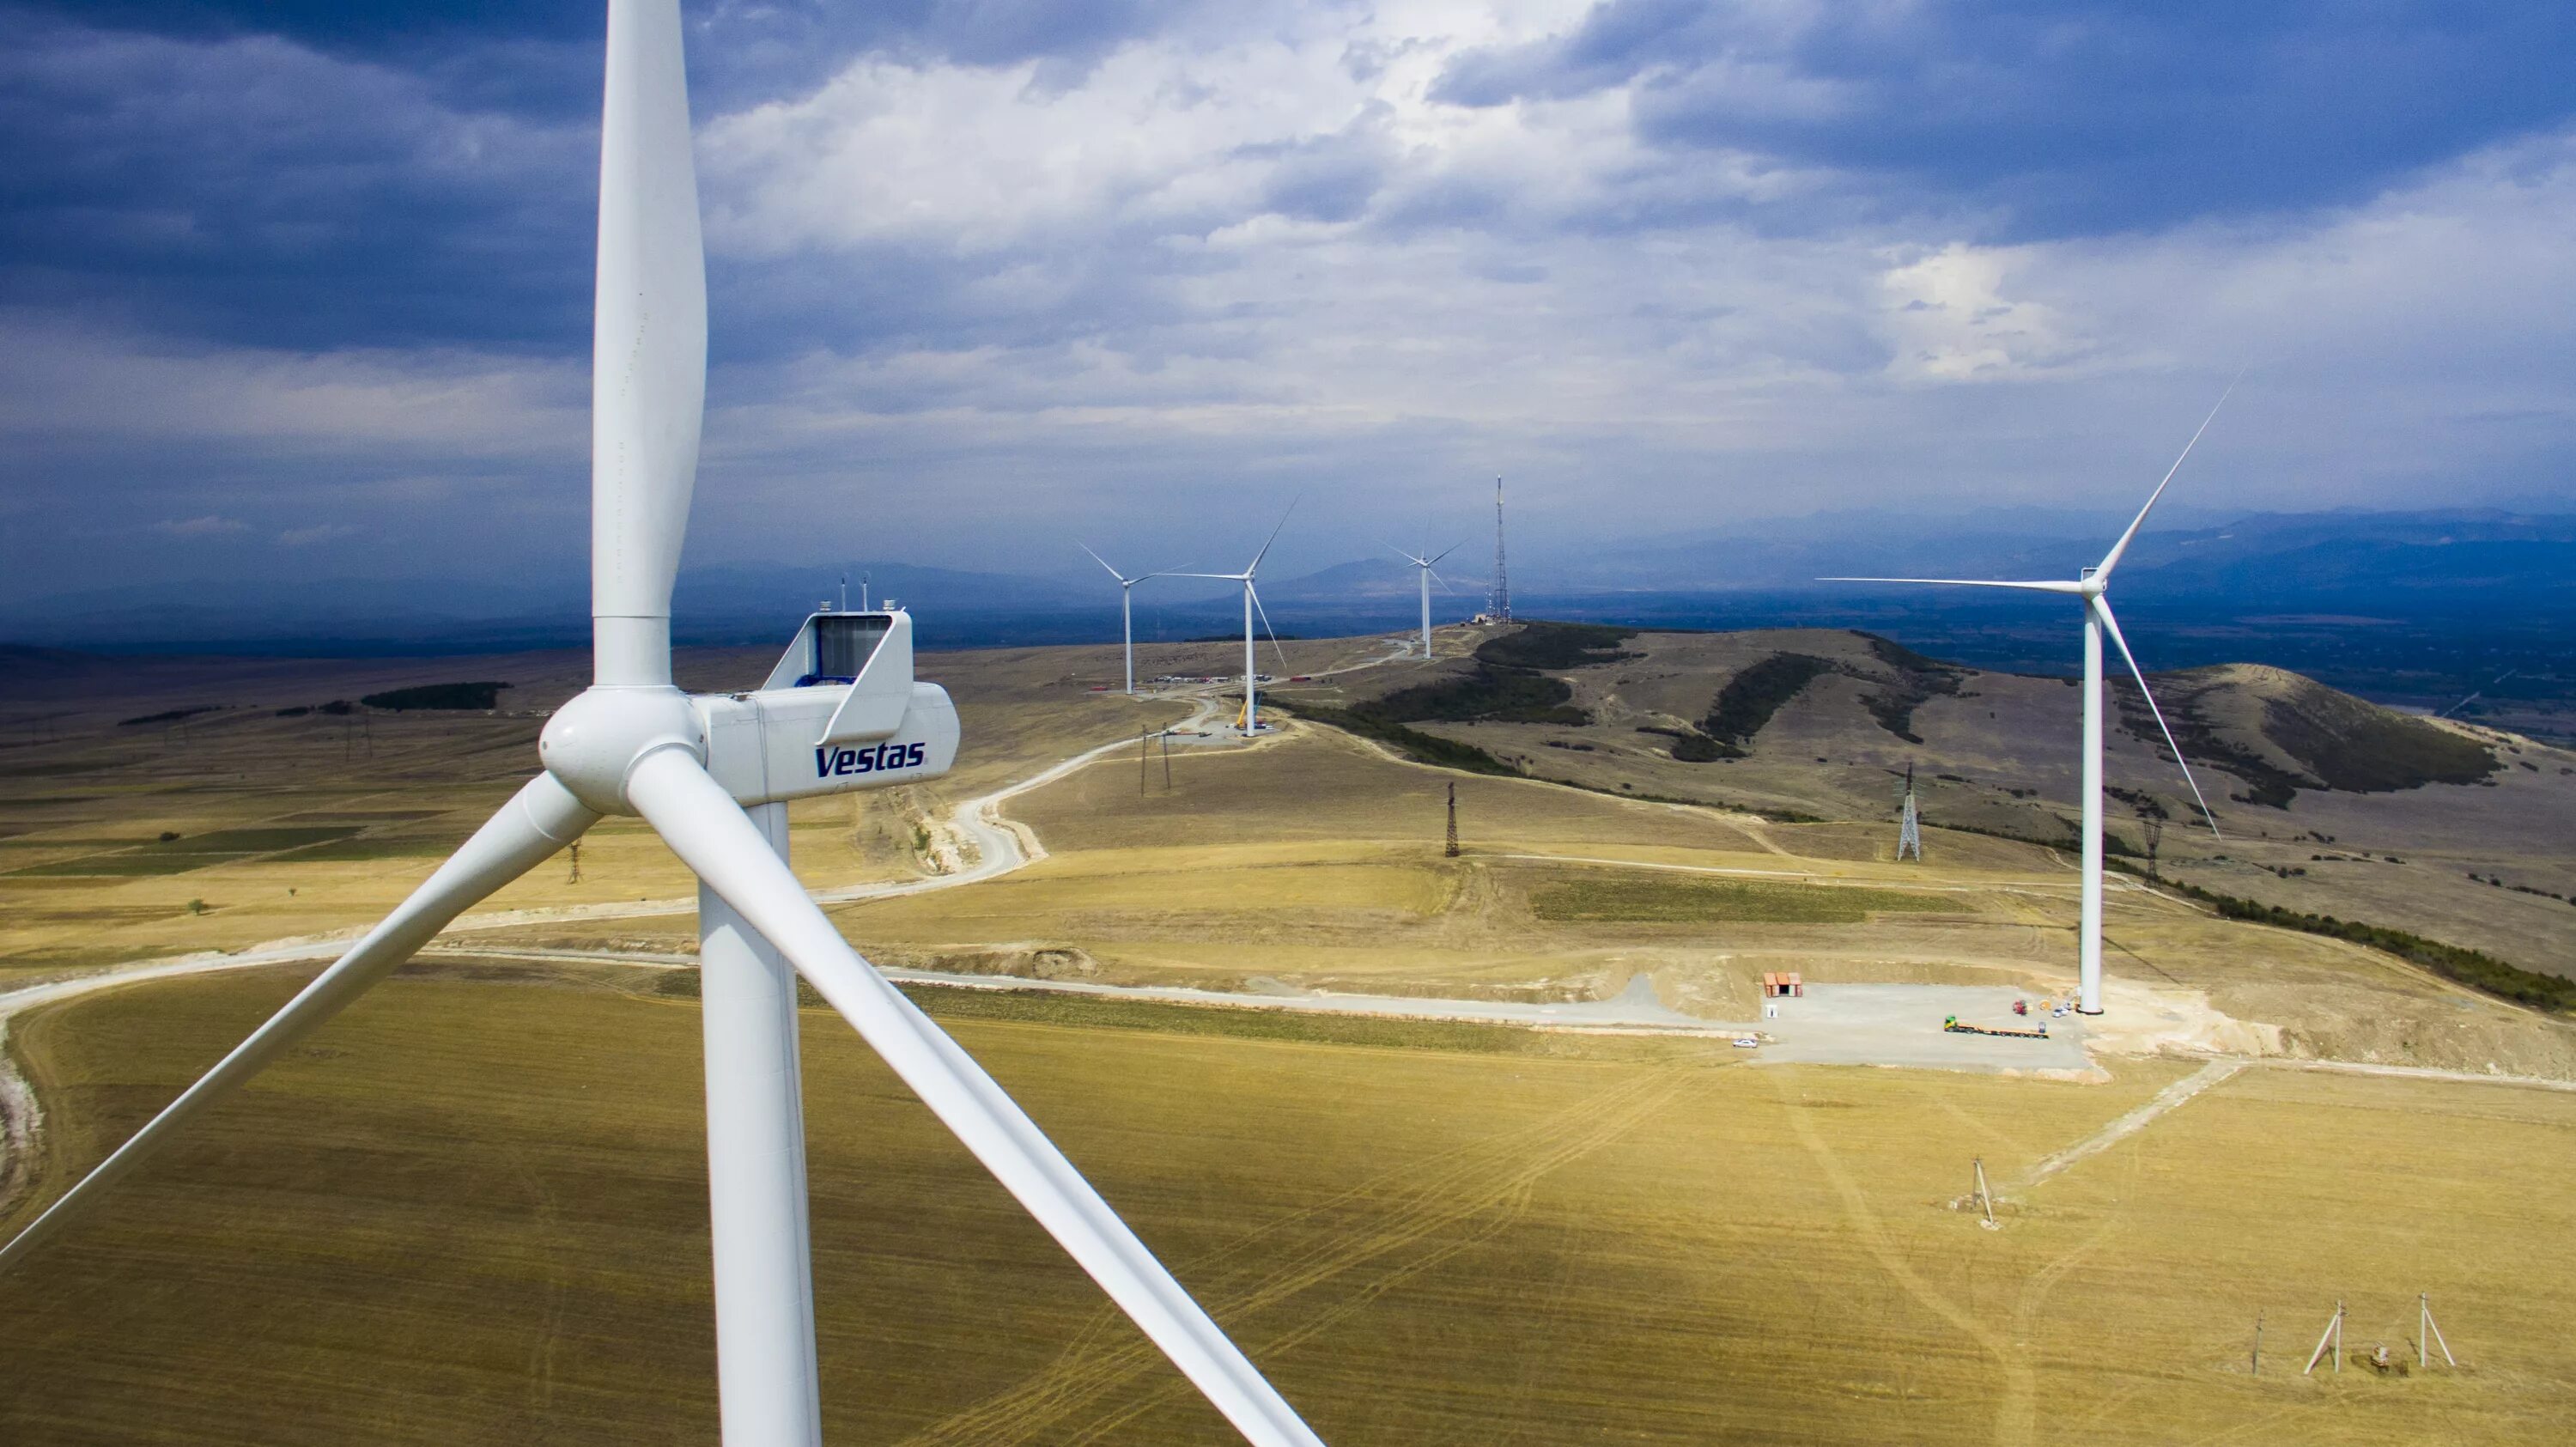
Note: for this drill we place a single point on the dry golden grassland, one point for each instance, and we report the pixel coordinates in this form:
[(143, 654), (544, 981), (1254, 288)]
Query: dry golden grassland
[(472, 1211), (1999, 754), (297, 825), (1316, 861), (473, 1208)]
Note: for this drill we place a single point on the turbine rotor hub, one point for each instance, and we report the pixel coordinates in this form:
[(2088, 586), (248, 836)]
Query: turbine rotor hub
[(595, 741)]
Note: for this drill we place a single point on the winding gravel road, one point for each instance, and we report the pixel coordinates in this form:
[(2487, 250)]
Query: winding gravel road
[(1000, 847)]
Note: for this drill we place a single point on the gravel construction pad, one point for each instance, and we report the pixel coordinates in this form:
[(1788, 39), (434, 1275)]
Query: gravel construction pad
[(1901, 1025)]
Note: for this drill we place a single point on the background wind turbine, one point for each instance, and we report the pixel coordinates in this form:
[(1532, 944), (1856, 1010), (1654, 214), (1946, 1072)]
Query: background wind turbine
[(1126, 612), (711, 773), (1251, 603), (1424, 564), (2091, 588)]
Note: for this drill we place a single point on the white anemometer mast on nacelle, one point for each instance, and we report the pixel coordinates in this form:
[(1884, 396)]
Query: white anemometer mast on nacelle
[(2091, 589), (1252, 603), (710, 774), (1422, 564)]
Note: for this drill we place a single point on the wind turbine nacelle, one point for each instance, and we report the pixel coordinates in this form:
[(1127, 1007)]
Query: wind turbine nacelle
[(840, 712)]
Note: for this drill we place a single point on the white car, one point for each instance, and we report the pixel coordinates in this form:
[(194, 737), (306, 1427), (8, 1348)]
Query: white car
[(1746, 1042)]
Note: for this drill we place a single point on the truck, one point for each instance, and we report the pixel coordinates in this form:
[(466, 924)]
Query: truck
[(1957, 1026)]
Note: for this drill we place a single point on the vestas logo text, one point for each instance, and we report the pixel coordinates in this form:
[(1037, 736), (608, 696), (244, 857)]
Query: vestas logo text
[(828, 762)]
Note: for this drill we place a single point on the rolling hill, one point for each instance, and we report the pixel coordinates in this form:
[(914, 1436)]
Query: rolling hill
[(2324, 803)]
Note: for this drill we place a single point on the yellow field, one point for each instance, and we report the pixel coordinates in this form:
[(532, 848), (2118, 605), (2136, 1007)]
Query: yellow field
[(473, 1209), (85, 879), (474, 1213)]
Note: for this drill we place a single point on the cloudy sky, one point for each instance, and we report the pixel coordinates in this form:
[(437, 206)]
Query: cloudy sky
[(299, 286)]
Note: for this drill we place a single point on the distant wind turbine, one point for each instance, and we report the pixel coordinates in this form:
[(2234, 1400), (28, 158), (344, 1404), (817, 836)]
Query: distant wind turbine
[(1126, 610), (1251, 602), (1424, 563), (2091, 587)]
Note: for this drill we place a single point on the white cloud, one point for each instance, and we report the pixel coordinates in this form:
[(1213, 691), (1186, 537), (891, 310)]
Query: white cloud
[(1949, 320), (1170, 136), (60, 379), (1249, 253), (209, 526)]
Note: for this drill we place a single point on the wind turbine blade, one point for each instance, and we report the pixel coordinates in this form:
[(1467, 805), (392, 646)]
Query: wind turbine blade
[(648, 364), (2041, 587), (1419, 562), (1104, 562), (1444, 552), (1265, 625), (1274, 537), (2111, 559), (1222, 577), (709, 832), (542, 819), (1443, 582), (2111, 625)]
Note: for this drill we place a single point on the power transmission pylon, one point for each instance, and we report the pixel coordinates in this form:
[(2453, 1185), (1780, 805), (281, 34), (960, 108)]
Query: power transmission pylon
[(1452, 850), (1909, 835), (576, 862), (1499, 606)]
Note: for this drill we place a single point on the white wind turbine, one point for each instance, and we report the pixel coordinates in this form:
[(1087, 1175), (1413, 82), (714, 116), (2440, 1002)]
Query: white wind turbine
[(1252, 601), (1126, 610), (1423, 563), (2092, 588), (841, 711)]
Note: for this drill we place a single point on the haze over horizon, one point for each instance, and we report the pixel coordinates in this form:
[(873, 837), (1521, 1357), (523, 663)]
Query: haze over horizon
[(295, 291)]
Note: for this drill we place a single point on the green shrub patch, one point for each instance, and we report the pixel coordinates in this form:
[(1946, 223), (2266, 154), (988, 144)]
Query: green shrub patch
[(1556, 645), (477, 696), (2474, 968), (1757, 692)]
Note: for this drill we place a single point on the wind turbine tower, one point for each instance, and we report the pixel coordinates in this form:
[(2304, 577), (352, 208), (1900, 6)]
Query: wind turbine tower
[(1126, 608), (1251, 603), (2090, 589), (712, 775), (1498, 604), (1422, 563)]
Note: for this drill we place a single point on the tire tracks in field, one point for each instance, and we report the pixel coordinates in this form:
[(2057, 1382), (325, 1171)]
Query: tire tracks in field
[(2016, 1421), (2215, 1072), (2017, 1414), (549, 1217), (1484, 1187), (2017, 1411)]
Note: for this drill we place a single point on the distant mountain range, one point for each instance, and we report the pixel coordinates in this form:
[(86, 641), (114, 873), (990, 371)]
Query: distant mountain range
[(2260, 557), (2406, 567)]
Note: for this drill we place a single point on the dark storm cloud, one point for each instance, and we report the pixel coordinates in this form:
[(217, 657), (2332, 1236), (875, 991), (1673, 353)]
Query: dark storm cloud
[(252, 191), (740, 49), (2058, 120), (310, 174)]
